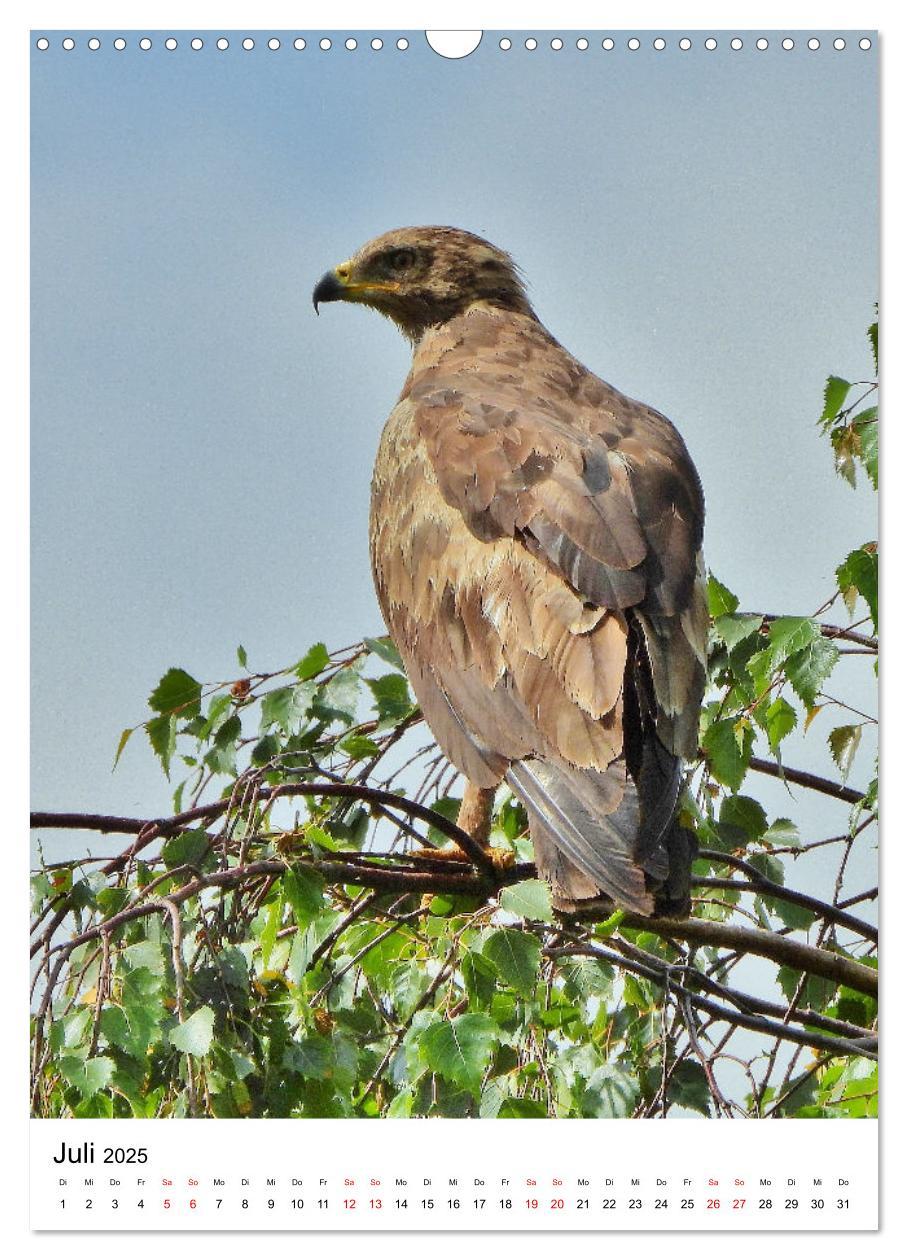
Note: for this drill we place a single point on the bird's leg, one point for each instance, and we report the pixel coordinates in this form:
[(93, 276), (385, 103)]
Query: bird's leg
[(475, 818), (475, 815)]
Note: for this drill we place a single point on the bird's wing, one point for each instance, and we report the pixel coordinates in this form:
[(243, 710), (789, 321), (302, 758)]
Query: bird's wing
[(527, 444)]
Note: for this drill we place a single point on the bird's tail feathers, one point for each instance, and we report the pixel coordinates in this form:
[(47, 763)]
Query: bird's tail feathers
[(599, 832), (564, 817)]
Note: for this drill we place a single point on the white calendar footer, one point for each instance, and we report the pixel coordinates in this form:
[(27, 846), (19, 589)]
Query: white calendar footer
[(454, 1174)]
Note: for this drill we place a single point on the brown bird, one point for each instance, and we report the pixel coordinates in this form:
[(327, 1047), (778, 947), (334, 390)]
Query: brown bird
[(535, 539)]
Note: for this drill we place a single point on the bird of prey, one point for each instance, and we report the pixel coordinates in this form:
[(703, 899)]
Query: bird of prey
[(536, 540)]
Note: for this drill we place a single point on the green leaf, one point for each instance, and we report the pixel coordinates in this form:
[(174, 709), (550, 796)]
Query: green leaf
[(229, 732), (286, 707), (515, 956), (216, 709), (719, 598), (194, 1035), (42, 889), (634, 994), (385, 650), (530, 899), (162, 735), (769, 867), (312, 1057), (745, 814), (522, 1109), (135, 1025), (478, 978), (799, 918), (783, 832), (270, 920), (817, 993), (448, 807), (241, 656), (189, 847), (338, 697), (267, 747), (407, 982), (866, 426), (808, 669), (760, 667), (788, 635), (304, 888), (358, 746), (512, 818), (846, 443), (460, 1050), (587, 977), (392, 697), (859, 572), (735, 627), (315, 660), (124, 740), (728, 751), (873, 334), (843, 744), (688, 1087), (321, 839), (177, 692), (88, 1075), (778, 720), (834, 397), (610, 1093)]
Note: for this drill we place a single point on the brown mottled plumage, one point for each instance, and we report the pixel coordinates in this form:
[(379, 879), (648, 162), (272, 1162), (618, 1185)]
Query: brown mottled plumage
[(535, 540)]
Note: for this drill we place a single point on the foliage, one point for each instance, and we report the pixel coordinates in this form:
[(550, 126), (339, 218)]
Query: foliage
[(302, 938)]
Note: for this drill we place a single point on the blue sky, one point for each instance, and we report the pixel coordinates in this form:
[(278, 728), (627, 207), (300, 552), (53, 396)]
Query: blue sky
[(700, 228)]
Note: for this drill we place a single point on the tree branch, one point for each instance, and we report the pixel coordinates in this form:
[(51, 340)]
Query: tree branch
[(827, 630), (758, 882), (865, 1047), (780, 949), (153, 829), (380, 873), (804, 778)]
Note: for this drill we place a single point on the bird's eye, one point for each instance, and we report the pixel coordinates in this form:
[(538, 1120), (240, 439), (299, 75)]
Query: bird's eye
[(402, 259)]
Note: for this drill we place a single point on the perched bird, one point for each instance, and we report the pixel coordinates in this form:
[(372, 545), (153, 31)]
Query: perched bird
[(535, 540)]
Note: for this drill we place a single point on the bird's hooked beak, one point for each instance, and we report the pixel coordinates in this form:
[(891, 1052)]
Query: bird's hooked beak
[(338, 285)]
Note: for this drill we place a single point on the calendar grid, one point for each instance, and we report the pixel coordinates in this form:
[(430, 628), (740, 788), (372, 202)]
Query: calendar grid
[(450, 1174)]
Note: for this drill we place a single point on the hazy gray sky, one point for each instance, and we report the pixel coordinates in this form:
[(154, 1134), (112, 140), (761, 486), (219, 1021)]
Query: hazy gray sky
[(700, 228)]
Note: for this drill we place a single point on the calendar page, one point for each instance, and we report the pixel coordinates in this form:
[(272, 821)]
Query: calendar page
[(454, 655)]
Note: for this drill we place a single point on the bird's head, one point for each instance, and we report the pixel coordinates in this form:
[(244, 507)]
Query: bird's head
[(423, 276)]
